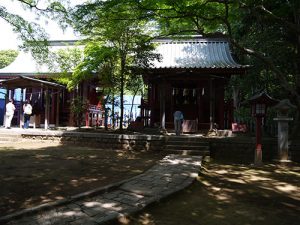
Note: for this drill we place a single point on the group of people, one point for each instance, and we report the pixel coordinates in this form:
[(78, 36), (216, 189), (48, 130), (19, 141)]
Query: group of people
[(27, 110), (10, 110)]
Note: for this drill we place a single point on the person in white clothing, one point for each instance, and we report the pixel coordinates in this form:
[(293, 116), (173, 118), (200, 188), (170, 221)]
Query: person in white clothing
[(27, 108), (9, 113)]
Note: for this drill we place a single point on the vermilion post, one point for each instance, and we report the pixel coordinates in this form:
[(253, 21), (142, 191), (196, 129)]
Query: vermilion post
[(87, 121), (258, 148)]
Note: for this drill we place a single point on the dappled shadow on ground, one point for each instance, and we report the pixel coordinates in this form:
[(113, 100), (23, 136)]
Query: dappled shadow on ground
[(232, 194), (32, 174)]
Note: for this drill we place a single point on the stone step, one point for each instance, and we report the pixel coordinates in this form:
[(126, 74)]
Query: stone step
[(9, 137), (187, 146), (188, 152), (225, 133), (181, 141)]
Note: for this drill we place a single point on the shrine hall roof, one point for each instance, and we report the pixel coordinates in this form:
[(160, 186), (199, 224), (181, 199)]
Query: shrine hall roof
[(26, 65), (29, 82), (194, 53)]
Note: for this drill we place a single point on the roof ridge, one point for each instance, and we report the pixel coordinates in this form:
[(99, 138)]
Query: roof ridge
[(196, 40)]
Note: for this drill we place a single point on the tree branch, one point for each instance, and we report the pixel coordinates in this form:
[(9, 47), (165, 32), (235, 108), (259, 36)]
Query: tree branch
[(290, 25), (280, 76)]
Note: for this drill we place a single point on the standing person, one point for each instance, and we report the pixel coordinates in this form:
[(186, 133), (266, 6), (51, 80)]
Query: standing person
[(178, 119), (9, 113), (27, 108)]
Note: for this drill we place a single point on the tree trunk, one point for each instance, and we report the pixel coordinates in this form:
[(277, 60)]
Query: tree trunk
[(132, 102), (295, 134), (113, 111), (122, 92)]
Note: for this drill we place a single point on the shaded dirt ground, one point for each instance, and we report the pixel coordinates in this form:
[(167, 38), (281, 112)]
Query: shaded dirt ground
[(32, 173), (231, 195)]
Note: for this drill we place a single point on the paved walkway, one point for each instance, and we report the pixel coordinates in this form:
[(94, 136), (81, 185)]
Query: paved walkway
[(169, 175)]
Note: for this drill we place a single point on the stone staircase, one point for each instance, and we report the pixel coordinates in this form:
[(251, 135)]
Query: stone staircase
[(187, 146)]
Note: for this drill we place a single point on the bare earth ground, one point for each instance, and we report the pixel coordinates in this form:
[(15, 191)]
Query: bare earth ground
[(224, 194), (32, 173), (231, 195)]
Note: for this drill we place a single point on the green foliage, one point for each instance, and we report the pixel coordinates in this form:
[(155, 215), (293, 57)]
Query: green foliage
[(7, 57), (274, 40), (79, 107), (34, 37), (264, 33), (99, 60), (135, 85), (64, 62), (184, 17), (243, 114), (118, 40)]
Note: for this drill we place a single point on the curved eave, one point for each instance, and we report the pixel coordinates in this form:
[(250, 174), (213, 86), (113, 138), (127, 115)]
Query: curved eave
[(196, 54), (39, 75), (29, 82), (197, 71)]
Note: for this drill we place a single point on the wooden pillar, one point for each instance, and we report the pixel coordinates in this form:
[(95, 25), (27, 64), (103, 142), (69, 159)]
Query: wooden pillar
[(172, 105), (211, 104), (221, 95), (162, 107), (5, 102), (85, 97), (57, 109), (21, 119), (46, 109), (152, 103), (87, 121), (53, 104), (199, 104), (258, 149)]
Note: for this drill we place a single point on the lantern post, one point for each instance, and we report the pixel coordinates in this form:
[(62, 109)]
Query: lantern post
[(259, 104)]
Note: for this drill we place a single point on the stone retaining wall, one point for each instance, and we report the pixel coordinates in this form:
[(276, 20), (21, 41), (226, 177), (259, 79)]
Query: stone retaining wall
[(235, 149), (241, 150), (104, 141)]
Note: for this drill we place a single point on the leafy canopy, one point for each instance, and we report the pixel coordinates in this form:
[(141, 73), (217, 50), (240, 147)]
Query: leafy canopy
[(116, 42), (34, 37), (7, 57)]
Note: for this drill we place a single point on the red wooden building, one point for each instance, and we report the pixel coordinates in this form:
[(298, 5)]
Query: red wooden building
[(191, 76), (51, 101)]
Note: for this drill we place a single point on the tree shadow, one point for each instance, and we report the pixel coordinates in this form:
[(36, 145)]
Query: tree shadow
[(35, 175), (231, 194)]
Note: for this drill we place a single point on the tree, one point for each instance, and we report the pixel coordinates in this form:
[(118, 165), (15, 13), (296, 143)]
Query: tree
[(266, 33), (114, 24), (34, 37), (7, 57), (135, 86), (99, 62), (79, 106), (64, 62)]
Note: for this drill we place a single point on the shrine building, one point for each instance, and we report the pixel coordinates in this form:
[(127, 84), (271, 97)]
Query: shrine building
[(190, 76)]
